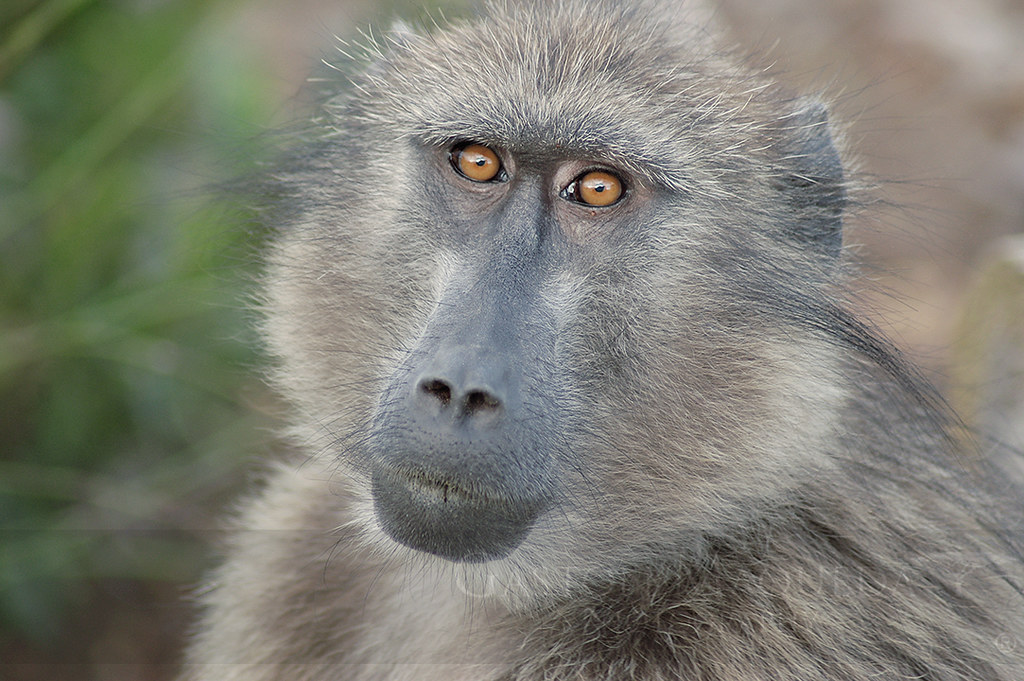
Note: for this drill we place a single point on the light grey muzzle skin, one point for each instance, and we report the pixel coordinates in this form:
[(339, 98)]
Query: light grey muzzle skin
[(463, 460)]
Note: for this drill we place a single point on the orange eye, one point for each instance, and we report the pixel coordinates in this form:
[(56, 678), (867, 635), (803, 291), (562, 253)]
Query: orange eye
[(594, 188), (477, 162)]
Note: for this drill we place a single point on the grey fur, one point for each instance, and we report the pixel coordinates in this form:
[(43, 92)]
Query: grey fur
[(737, 479)]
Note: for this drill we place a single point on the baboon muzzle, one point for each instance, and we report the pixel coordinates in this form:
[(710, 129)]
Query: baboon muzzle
[(457, 470)]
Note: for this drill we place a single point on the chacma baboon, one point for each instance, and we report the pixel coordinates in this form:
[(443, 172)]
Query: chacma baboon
[(558, 296)]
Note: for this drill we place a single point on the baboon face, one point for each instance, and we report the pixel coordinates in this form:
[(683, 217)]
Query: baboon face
[(476, 428), (534, 300)]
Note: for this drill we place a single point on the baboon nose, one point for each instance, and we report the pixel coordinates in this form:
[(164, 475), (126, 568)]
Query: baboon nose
[(471, 401), (436, 388)]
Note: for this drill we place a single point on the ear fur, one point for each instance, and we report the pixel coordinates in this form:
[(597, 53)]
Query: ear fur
[(811, 178)]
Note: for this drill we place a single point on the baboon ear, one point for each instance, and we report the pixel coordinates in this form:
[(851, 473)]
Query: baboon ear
[(811, 179)]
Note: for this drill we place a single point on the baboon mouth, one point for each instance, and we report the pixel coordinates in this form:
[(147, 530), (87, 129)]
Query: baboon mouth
[(437, 489), (449, 519)]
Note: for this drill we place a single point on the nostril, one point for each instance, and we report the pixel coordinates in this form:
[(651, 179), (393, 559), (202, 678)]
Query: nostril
[(438, 389), (479, 400)]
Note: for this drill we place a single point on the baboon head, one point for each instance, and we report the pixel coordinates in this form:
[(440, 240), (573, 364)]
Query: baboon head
[(545, 302)]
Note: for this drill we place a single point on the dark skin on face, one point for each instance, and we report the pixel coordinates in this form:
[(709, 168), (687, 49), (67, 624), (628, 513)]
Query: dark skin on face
[(453, 473)]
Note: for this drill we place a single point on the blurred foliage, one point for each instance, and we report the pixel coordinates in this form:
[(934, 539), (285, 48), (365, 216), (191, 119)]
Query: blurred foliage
[(125, 354)]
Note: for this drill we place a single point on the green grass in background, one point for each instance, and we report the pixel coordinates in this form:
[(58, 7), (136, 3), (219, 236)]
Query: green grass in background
[(125, 352)]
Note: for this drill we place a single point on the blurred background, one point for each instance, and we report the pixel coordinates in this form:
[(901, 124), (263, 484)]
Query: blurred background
[(131, 405)]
